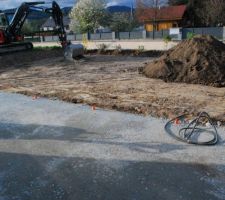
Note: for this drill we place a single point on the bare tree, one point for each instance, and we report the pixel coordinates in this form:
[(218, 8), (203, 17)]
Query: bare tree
[(213, 13), (150, 3), (207, 12), (142, 5), (200, 13)]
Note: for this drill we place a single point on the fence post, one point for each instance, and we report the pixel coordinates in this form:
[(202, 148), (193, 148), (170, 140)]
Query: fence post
[(224, 33), (113, 35), (88, 35), (144, 34)]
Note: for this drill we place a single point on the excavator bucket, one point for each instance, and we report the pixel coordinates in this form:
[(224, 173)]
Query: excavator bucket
[(73, 51)]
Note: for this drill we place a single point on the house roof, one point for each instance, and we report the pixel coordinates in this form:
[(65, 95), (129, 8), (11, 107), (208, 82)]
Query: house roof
[(163, 13), (50, 22)]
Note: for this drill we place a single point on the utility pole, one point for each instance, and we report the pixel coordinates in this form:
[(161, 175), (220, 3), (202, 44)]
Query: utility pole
[(155, 6), (131, 16)]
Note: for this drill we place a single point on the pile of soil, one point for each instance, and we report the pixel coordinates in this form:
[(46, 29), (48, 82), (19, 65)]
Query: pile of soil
[(200, 60)]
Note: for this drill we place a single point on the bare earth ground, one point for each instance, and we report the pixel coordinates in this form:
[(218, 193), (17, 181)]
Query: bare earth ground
[(112, 82)]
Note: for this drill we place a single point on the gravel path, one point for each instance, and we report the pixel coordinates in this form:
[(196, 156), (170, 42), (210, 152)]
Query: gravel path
[(56, 150)]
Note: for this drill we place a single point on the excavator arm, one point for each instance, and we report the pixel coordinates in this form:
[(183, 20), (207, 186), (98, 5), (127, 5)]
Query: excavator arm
[(57, 16), (12, 33)]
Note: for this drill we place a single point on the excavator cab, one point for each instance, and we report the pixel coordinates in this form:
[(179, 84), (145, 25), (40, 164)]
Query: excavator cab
[(10, 33), (3, 24), (3, 21)]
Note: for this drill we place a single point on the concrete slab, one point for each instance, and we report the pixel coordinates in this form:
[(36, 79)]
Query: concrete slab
[(55, 150)]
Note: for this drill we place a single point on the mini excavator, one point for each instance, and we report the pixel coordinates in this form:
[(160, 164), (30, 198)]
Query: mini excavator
[(12, 40)]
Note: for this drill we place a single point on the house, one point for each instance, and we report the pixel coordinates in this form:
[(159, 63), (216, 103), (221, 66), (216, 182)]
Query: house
[(49, 25), (163, 18)]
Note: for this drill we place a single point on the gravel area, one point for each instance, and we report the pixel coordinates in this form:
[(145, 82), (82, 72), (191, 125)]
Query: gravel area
[(50, 149)]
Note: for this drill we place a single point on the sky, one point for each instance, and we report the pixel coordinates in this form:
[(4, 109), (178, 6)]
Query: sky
[(6, 4)]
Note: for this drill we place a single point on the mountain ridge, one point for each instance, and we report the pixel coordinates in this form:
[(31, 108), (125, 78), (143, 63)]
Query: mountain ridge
[(42, 15)]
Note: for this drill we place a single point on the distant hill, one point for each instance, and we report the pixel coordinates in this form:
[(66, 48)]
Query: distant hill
[(113, 9), (33, 15), (66, 10), (9, 11), (37, 15)]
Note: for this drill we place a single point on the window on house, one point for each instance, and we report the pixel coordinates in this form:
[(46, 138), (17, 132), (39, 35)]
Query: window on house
[(175, 25), (3, 20)]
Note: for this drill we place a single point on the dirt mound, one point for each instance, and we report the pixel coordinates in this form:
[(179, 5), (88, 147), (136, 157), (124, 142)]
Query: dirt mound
[(200, 60)]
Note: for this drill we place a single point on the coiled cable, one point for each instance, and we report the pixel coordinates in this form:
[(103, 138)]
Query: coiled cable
[(193, 129)]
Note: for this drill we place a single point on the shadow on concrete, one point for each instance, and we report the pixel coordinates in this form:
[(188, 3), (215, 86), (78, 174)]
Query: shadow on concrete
[(72, 134), (29, 177)]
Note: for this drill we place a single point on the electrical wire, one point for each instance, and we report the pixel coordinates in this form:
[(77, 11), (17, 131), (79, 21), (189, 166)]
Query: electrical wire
[(187, 134)]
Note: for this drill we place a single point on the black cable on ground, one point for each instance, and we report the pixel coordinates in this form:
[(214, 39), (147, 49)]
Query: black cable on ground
[(186, 134)]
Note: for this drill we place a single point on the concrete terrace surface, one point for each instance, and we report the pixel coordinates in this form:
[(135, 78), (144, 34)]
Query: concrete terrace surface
[(55, 150)]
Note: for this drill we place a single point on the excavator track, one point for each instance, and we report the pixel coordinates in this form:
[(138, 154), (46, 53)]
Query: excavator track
[(15, 47)]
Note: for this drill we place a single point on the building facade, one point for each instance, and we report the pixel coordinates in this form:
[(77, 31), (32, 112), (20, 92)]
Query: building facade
[(162, 18), (49, 25)]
